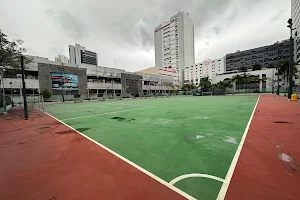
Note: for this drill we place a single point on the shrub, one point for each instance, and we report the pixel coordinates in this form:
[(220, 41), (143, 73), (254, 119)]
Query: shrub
[(136, 95), (46, 94)]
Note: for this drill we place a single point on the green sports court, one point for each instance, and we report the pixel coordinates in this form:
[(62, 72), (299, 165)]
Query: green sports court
[(186, 141)]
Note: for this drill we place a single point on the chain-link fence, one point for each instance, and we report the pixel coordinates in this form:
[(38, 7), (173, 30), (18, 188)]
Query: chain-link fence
[(7, 100)]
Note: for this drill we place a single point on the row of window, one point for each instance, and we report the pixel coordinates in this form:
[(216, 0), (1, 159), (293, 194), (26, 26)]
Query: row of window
[(255, 57), (273, 48), (176, 35)]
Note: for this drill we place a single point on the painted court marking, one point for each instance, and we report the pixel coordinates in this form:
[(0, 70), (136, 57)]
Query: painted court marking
[(86, 109), (107, 113), (229, 175), (175, 189), (179, 178)]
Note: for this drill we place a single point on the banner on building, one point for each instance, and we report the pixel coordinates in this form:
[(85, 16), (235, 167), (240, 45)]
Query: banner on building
[(67, 81)]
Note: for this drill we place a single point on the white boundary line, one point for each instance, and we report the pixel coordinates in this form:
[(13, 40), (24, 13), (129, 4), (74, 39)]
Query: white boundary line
[(231, 169), (179, 178), (86, 109), (131, 163), (108, 113)]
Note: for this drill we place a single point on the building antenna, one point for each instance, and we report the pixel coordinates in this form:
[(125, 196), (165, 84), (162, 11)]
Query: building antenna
[(115, 65)]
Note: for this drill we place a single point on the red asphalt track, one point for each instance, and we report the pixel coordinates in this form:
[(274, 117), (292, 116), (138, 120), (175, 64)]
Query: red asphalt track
[(259, 174), (39, 162)]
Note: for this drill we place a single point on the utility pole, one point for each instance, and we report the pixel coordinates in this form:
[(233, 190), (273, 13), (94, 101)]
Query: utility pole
[(63, 83), (3, 93), (11, 93), (290, 26), (24, 88), (278, 69)]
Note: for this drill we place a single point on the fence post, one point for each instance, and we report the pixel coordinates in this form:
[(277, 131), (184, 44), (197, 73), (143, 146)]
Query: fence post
[(24, 88), (43, 103)]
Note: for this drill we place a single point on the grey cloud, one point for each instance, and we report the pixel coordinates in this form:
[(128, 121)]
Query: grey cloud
[(72, 25), (124, 30), (278, 15), (216, 29)]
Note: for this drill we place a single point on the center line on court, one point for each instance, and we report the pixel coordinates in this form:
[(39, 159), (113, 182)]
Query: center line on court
[(108, 113)]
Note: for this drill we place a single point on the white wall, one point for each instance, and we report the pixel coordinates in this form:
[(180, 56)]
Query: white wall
[(270, 75), (193, 73)]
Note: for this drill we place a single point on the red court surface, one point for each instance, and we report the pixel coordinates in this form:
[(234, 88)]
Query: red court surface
[(259, 174), (38, 162), (42, 159)]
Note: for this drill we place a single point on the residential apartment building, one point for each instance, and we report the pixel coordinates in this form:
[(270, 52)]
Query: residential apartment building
[(193, 73), (165, 71), (61, 59), (174, 43), (79, 55), (296, 20), (266, 56)]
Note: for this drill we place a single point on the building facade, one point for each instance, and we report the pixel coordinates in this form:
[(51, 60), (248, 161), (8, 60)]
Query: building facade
[(174, 43), (207, 68), (87, 80), (265, 80), (79, 55), (165, 71), (266, 56), (296, 20), (61, 59)]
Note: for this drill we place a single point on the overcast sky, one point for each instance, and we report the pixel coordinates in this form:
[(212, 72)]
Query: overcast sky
[(123, 30)]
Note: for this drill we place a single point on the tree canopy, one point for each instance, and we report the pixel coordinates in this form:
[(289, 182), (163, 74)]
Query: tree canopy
[(205, 83), (10, 53), (188, 87), (284, 67), (256, 67)]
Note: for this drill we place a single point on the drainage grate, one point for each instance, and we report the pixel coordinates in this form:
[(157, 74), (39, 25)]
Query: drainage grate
[(64, 132)]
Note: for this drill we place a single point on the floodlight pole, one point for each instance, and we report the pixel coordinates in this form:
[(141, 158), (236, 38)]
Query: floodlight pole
[(63, 82), (290, 26), (24, 88), (278, 69), (3, 93)]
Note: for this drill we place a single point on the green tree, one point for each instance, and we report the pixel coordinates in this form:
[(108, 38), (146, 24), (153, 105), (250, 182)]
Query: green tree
[(241, 79), (243, 69), (205, 83), (256, 67), (186, 87), (46, 93), (10, 53), (224, 84), (284, 69)]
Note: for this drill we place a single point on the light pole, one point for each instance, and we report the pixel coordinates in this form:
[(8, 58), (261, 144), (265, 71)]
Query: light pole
[(24, 88), (62, 83), (278, 69), (3, 92), (290, 26), (12, 98)]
